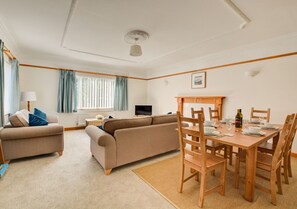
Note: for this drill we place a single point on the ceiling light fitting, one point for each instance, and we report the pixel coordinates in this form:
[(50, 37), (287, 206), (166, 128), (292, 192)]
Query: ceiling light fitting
[(136, 37)]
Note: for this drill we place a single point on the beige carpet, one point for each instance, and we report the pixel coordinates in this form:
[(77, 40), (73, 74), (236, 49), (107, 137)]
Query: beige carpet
[(76, 181), (164, 177)]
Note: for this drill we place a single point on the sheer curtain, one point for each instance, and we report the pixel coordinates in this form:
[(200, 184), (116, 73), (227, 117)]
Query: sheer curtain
[(15, 103), (1, 84), (67, 96), (121, 94)]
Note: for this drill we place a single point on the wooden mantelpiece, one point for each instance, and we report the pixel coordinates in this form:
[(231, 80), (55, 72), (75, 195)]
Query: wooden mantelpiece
[(217, 101)]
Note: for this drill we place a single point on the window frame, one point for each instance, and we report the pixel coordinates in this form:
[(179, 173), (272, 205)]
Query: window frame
[(82, 109)]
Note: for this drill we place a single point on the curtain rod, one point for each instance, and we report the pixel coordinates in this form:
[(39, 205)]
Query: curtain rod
[(8, 53)]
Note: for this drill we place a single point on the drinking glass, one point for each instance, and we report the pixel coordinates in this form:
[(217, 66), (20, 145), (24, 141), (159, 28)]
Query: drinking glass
[(245, 123), (229, 125)]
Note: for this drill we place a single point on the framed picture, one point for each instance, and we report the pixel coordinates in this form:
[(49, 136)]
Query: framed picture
[(198, 80)]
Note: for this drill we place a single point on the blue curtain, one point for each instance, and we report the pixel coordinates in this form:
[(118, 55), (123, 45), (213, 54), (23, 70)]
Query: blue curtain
[(121, 94), (67, 97), (1, 84), (15, 86)]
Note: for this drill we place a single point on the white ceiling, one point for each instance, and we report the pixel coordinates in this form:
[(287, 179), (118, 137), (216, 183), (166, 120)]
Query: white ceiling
[(179, 30)]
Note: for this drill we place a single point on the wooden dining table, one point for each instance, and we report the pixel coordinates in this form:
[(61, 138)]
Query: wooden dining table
[(249, 143)]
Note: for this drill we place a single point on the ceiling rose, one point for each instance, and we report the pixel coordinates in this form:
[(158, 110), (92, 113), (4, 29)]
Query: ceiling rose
[(136, 36)]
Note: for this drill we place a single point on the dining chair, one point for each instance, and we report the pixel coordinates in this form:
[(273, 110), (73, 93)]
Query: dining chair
[(287, 152), (269, 163), (256, 114), (210, 145), (198, 159), (268, 147), (214, 114)]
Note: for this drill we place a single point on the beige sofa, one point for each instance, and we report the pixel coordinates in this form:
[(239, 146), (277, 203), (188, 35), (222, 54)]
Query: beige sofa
[(127, 140), (19, 142)]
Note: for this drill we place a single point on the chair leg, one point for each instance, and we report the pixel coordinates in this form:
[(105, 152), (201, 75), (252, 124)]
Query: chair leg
[(230, 155), (202, 190), (289, 166), (223, 178), (213, 152), (181, 180), (279, 181), (237, 167), (225, 152), (272, 188), (286, 168)]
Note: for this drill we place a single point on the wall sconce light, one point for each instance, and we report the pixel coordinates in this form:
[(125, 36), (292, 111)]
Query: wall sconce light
[(251, 73)]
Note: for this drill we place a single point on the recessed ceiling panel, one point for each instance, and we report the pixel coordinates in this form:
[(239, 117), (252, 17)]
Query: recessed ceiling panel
[(98, 27)]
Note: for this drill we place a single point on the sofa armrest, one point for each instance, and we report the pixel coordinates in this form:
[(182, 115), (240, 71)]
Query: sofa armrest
[(30, 132), (52, 119), (101, 137)]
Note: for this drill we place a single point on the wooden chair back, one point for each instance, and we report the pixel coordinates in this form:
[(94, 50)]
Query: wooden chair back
[(256, 114), (195, 113), (291, 137), (214, 114), (279, 150), (199, 150)]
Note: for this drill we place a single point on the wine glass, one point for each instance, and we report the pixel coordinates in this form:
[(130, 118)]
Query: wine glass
[(229, 125)]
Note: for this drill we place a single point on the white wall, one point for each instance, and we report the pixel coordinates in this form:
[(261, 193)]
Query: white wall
[(45, 83), (275, 86)]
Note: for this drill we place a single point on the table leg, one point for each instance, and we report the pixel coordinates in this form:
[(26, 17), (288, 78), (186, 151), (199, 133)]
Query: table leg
[(274, 141), (250, 173)]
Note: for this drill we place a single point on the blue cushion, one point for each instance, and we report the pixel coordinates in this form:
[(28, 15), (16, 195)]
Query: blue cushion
[(39, 113), (101, 127), (34, 120)]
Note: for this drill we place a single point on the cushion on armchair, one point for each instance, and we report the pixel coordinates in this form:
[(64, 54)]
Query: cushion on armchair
[(19, 119), (39, 113), (35, 120)]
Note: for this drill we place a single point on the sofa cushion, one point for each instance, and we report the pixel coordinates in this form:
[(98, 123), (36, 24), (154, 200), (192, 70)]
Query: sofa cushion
[(110, 125), (160, 119), (35, 120), (39, 113), (18, 120)]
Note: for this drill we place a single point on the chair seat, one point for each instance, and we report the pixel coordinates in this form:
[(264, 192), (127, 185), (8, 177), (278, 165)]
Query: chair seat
[(264, 161), (211, 160), (213, 144), (266, 147)]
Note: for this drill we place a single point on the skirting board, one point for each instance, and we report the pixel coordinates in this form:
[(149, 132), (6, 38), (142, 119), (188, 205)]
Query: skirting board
[(293, 154)]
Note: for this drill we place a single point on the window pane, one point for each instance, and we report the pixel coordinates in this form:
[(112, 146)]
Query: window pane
[(95, 92)]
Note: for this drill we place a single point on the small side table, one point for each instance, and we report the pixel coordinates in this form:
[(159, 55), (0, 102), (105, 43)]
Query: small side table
[(93, 121)]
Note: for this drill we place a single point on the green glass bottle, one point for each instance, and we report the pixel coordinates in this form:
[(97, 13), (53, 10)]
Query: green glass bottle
[(238, 119)]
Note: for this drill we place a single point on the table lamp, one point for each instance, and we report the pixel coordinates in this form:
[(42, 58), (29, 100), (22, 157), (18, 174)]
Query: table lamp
[(28, 96)]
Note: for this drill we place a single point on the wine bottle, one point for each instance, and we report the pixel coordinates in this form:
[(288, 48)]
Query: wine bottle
[(238, 119)]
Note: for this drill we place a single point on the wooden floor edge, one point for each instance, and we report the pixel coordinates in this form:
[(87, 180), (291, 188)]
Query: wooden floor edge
[(293, 154), (74, 128)]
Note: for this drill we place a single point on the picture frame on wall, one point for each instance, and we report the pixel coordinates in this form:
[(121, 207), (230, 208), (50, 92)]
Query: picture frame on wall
[(198, 80)]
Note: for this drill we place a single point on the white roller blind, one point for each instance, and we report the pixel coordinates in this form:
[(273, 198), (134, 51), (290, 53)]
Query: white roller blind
[(95, 92)]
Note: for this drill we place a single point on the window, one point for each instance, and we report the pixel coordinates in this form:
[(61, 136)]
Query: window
[(95, 92), (7, 86)]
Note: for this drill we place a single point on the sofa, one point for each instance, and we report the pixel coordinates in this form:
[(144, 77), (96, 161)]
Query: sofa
[(123, 141), (27, 141)]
